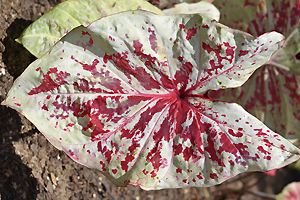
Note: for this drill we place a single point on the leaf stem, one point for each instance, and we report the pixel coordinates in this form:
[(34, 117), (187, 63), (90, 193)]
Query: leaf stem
[(261, 194)]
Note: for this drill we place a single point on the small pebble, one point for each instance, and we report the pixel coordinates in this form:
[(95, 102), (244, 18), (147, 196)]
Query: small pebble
[(53, 179), (2, 71)]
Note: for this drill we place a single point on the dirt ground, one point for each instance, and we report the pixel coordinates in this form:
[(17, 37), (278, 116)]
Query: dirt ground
[(30, 168)]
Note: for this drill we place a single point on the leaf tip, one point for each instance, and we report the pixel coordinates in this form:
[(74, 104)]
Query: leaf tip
[(18, 40), (275, 35), (3, 103)]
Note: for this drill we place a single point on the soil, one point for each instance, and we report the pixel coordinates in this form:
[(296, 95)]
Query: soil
[(31, 168)]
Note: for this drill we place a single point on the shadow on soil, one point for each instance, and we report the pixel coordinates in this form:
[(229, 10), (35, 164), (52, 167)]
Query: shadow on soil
[(16, 180), (16, 57)]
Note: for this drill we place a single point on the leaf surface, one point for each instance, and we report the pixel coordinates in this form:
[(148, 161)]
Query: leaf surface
[(273, 93), (128, 95), (41, 35), (203, 8), (259, 16)]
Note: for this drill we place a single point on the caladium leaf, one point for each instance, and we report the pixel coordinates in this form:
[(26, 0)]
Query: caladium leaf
[(238, 14), (273, 93), (41, 35), (127, 95), (289, 57), (260, 16), (203, 7)]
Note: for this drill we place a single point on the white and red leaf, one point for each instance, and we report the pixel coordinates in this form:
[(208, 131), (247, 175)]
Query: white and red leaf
[(272, 94), (128, 95), (260, 16)]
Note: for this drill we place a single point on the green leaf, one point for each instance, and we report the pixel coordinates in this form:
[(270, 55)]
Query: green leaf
[(41, 35)]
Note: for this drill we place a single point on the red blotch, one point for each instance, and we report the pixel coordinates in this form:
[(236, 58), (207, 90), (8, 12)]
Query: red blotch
[(226, 145), (122, 62), (199, 176), (155, 158), (237, 134), (262, 150), (45, 107), (177, 149), (124, 164), (85, 33), (191, 32), (105, 151), (52, 80), (181, 26), (91, 42), (242, 149), (89, 67), (70, 124), (152, 39), (114, 171), (153, 174), (182, 75), (260, 133), (213, 176), (187, 153), (210, 148), (267, 157), (243, 53), (102, 165), (205, 26)]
